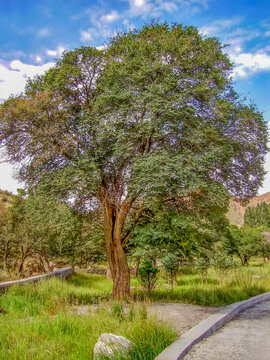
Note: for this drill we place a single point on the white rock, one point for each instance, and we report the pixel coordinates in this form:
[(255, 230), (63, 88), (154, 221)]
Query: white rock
[(108, 344)]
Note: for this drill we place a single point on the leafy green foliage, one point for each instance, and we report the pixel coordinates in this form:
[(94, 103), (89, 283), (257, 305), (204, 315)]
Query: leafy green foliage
[(258, 216), (148, 275), (156, 104), (202, 265), (170, 264), (44, 230), (222, 262), (246, 242)]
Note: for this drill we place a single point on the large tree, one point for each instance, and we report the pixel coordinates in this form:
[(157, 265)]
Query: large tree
[(152, 117)]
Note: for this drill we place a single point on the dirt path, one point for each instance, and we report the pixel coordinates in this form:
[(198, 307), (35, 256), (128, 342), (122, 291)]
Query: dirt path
[(245, 338), (181, 316)]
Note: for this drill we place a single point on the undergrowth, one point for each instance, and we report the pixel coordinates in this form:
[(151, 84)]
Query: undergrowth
[(40, 323)]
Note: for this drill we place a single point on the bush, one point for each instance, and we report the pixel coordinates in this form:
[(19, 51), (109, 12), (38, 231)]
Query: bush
[(221, 262), (171, 265), (202, 265), (148, 275)]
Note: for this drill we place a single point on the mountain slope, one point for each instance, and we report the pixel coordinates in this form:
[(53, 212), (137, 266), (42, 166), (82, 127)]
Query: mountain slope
[(5, 200), (236, 211)]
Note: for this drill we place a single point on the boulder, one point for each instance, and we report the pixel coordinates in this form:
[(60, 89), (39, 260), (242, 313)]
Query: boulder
[(109, 344)]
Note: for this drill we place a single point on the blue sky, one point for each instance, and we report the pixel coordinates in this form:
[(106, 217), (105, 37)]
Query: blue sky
[(33, 33)]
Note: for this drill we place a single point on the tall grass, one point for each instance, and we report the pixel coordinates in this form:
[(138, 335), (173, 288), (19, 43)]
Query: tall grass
[(39, 324), (53, 295), (72, 337), (238, 284)]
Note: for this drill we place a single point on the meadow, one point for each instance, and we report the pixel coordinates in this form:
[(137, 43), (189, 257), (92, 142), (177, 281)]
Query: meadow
[(40, 324), (41, 320), (237, 284)]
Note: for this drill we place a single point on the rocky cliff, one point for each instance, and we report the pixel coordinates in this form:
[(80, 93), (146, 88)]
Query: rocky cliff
[(236, 211)]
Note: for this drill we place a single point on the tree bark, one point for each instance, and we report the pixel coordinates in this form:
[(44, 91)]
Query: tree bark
[(108, 273), (5, 257), (113, 224)]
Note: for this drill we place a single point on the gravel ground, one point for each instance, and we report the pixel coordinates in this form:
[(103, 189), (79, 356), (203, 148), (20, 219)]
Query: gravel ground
[(245, 338), (181, 316)]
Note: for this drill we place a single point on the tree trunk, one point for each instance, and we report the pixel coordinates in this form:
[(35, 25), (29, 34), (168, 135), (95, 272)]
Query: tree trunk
[(241, 258), (5, 258), (113, 223), (246, 260), (24, 254), (108, 274)]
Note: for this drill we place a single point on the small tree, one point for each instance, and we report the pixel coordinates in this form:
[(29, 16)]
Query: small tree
[(202, 264), (148, 275), (245, 242), (171, 265), (221, 262)]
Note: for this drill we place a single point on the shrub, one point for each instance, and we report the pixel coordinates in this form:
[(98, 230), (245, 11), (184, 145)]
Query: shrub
[(148, 275), (221, 262), (171, 265)]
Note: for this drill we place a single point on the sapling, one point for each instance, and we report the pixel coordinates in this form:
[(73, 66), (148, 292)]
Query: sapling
[(148, 275), (202, 265), (222, 262), (170, 264)]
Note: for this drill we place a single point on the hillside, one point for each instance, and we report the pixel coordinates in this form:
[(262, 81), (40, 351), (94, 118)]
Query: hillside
[(237, 211), (5, 200)]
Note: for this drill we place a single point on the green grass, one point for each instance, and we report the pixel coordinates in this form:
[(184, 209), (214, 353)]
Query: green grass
[(53, 295), (73, 337), (39, 323), (238, 284)]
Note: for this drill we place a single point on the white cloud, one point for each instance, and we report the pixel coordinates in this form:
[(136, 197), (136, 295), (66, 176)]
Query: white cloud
[(43, 32), (111, 17), (218, 26), (140, 7), (101, 29), (237, 36), (12, 81), (13, 78), (232, 32), (168, 6), (51, 52), (247, 64), (139, 2), (144, 8), (86, 36), (38, 59), (57, 52)]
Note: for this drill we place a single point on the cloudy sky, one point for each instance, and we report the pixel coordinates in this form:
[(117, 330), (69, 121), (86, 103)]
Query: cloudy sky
[(33, 33)]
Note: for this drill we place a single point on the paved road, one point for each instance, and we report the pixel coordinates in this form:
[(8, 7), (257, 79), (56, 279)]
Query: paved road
[(245, 338)]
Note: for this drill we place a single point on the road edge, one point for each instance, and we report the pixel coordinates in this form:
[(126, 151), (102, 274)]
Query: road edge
[(178, 349)]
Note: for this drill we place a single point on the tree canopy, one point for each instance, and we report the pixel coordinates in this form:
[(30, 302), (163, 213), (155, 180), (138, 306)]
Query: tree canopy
[(151, 118)]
